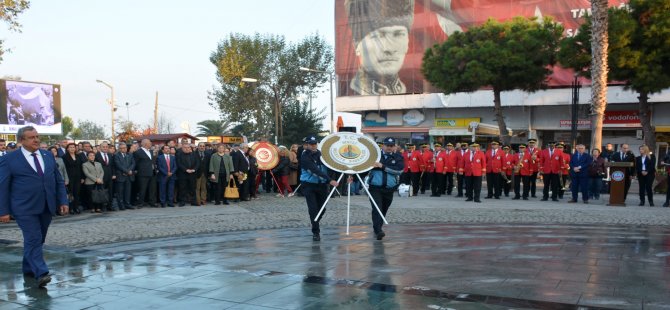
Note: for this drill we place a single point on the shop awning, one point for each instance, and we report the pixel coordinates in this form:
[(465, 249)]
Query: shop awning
[(662, 128), (396, 129), (440, 131)]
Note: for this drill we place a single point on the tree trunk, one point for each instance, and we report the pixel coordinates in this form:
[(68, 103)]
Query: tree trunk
[(599, 70), (497, 107), (645, 120)]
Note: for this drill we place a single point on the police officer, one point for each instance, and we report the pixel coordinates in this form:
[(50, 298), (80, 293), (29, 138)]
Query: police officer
[(383, 180), (314, 179)]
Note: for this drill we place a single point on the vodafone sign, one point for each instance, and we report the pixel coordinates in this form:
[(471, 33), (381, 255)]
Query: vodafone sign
[(629, 118)]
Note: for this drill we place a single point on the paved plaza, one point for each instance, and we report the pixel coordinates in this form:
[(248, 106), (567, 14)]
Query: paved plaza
[(439, 253)]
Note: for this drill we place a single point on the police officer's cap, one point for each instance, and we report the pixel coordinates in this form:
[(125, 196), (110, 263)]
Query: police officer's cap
[(409, 144), (450, 144), (11, 145), (311, 139), (389, 141), (437, 145), (532, 141), (425, 145), (522, 146), (464, 144), (506, 147), (551, 143), (560, 145), (495, 143), (474, 145)]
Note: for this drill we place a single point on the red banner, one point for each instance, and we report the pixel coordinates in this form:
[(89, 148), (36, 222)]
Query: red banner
[(380, 43)]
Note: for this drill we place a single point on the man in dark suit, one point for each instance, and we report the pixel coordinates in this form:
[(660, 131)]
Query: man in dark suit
[(167, 168), (579, 166), (107, 163), (62, 149), (645, 165), (625, 155), (124, 165), (145, 165), (241, 167), (32, 191), (188, 163), (204, 155)]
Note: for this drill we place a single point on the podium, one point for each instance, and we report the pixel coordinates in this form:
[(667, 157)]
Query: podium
[(618, 182)]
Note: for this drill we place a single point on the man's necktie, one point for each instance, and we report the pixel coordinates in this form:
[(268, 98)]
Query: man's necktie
[(167, 160), (104, 156), (38, 167)]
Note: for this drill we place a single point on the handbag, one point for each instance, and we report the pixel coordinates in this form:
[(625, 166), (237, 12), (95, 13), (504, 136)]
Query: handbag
[(231, 191), (99, 196)]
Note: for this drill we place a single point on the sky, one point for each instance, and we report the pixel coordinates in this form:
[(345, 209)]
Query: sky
[(144, 47)]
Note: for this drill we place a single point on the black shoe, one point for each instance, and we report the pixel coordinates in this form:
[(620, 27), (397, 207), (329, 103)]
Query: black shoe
[(586, 202), (469, 199), (478, 201), (28, 275), (544, 199), (181, 204), (651, 204), (434, 195), (380, 235), (458, 196), (554, 199), (43, 280), (516, 198), (497, 197), (226, 203), (316, 237), (572, 201), (488, 197), (641, 204), (171, 205), (218, 203), (163, 205), (194, 204), (665, 205), (533, 196), (131, 208), (525, 198)]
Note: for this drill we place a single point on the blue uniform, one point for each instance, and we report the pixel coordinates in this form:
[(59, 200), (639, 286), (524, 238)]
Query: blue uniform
[(314, 179), (383, 183)]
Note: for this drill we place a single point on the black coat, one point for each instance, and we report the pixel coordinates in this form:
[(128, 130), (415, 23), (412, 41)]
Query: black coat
[(627, 157), (73, 167), (186, 162), (203, 163), (106, 167), (282, 168), (123, 164), (145, 166), (240, 162), (650, 165)]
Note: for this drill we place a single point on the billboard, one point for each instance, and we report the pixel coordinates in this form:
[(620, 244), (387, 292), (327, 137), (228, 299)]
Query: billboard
[(30, 104), (380, 43)]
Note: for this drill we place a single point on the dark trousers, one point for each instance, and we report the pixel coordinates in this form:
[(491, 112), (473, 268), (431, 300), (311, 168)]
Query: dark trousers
[(75, 190), (243, 188), (34, 229), (518, 179), (383, 197), (533, 182), (507, 185), (551, 181), (563, 179), (123, 193), (580, 184), (315, 196), (493, 185), (473, 187), (187, 188), (436, 183), (416, 177), (645, 187), (626, 186), (146, 190), (220, 189), (449, 183), (107, 184), (406, 178), (425, 181), (166, 189), (253, 187), (460, 180)]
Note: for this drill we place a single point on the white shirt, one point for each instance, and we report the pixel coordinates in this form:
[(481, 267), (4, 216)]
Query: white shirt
[(147, 152), (644, 166), (104, 158), (31, 161)]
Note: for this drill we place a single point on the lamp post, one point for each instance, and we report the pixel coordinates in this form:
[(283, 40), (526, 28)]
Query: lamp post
[(111, 104), (128, 106), (332, 106), (576, 85)]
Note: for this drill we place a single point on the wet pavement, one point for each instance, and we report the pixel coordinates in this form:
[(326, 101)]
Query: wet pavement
[(418, 266)]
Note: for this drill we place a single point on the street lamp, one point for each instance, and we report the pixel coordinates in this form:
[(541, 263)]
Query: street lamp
[(111, 104), (330, 79), (128, 106)]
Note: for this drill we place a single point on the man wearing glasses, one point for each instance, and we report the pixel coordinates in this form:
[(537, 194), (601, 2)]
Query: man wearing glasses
[(625, 155)]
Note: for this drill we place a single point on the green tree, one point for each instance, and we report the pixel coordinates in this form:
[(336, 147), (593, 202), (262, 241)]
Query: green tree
[(214, 127), (274, 64), (9, 13), (515, 54), (88, 130), (639, 52), (300, 121)]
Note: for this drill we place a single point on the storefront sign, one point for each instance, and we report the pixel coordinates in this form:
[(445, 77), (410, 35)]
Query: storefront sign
[(582, 123), (413, 117), (375, 119), (629, 118), (455, 122), (231, 140)]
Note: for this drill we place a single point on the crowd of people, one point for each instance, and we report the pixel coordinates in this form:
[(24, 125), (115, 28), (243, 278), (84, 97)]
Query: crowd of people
[(462, 168), (142, 174)]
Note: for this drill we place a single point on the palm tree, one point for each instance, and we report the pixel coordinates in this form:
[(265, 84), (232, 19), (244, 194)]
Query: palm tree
[(214, 127), (599, 69)]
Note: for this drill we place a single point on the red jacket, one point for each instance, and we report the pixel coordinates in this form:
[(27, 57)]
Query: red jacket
[(405, 158), (441, 161), (415, 162), (525, 164), (428, 161), (511, 160), (452, 161), (494, 164), (553, 163), (475, 166), (566, 163), (535, 160)]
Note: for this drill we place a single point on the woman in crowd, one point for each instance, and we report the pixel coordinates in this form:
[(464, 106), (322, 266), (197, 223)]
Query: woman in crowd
[(281, 172), (73, 168), (596, 174), (61, 165), (220, 169), (294, 163), (253, 175), (94, 176)]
